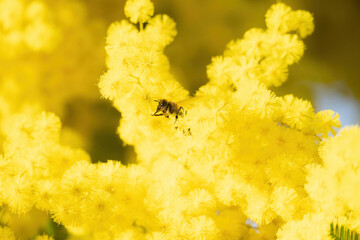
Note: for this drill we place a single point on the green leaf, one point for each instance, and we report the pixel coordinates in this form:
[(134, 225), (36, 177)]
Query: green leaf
[(342, 233)]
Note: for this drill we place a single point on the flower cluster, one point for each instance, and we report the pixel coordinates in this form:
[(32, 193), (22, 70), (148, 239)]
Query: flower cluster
[(240, 150), (32, 164), (332, 185), (40, 54), (39, 33), (234, 161)]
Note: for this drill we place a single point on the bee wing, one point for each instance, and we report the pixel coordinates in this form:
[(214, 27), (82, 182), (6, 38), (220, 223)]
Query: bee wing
[(189, 101)]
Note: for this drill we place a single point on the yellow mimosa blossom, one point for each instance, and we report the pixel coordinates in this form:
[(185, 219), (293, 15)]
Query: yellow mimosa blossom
[(139, 11), (6, 233), (239, 145), (233, 161), (44, 237), (282, 19), (33, 161), (38, 39)]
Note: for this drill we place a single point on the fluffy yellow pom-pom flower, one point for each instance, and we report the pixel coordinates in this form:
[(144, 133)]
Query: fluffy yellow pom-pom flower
[(43, 237), (139, 11), (6, 233)]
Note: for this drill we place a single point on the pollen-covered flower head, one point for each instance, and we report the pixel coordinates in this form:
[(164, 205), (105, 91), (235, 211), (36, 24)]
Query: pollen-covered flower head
[(43, 237), (6, 233), (234, 161), (282, 19), (139, 11)]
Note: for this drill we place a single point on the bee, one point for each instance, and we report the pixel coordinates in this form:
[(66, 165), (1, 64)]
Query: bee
[(167, 108)]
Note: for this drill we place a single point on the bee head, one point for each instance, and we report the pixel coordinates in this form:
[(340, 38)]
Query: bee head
[(162, 104)]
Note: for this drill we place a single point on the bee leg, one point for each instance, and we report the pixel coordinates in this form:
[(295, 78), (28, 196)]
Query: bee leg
[(177, 113), (157, 114), (182, 111)]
